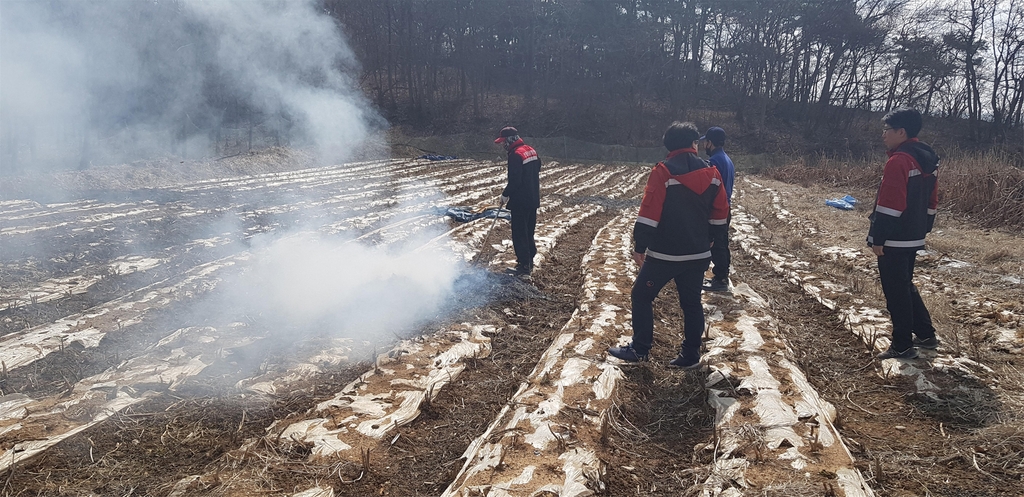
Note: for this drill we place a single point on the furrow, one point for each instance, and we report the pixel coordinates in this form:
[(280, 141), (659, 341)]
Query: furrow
[(866, 322), (38, 424), (533, 447), (771, 423)]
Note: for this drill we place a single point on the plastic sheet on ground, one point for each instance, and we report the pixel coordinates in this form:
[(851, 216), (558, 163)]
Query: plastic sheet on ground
[(437, 157), (846, 203), (464, 214)]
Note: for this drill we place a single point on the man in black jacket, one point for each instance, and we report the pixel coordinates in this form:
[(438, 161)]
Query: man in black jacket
[(904, 213), (684, 208), (521, 196)]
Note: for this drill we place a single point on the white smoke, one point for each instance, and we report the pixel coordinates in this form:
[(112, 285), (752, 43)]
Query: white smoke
[(94, 82), (293, 60), (348, 288), (105, 81)]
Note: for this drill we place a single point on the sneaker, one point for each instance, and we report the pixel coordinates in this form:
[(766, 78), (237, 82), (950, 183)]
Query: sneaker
[(717, 285), (910, 353), (628, 354), (929, 343), (684, 363)]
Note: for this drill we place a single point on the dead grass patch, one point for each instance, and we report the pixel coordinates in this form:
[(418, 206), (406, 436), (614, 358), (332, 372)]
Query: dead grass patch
[(997, 254), (902, 443), (667, 411), (987, 187)]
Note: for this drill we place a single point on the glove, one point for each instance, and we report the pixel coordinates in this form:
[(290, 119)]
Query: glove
[(504, 200)]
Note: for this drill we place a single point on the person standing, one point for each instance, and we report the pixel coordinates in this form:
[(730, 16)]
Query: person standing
[(714, 141), (521, 196), (904, 213), (684, 206)]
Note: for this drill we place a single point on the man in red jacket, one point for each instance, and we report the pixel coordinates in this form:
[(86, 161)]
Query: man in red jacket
[(684, 207), (522, 196), (904, 213)]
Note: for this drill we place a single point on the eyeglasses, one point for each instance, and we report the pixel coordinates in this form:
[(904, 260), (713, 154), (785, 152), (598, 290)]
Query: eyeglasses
[(887, 128)]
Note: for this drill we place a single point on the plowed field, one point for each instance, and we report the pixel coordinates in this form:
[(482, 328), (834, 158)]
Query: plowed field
[(328, 331)]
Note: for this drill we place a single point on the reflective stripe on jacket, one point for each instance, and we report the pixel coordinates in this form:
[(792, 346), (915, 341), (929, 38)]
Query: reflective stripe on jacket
[(684, 201), (907, 198)]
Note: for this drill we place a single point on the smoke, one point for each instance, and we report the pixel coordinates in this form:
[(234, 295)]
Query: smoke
[(321, 285), (95, 82), (100, 82)]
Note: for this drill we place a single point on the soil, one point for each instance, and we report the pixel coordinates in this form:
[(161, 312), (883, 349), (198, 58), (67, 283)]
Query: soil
[(204, 433)]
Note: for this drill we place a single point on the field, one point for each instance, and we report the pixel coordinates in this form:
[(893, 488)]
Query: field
[(326, 330)]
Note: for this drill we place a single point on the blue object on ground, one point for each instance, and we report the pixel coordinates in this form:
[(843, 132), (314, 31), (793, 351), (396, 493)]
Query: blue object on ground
[(467, 214), (437, 157), (849, 199), (839, 203)]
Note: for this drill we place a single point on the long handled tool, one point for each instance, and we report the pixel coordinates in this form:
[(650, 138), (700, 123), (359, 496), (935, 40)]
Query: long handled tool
[(488, 235)]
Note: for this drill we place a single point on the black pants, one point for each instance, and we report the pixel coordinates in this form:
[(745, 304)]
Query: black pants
[(720, 256), (524, 224), (689, 278), (907, 310)]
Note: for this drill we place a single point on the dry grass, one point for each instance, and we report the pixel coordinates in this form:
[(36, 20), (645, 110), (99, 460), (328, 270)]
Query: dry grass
[(827, 171), (976, 426), (986, 187), (997, 254), (992, 252), (660, 416)]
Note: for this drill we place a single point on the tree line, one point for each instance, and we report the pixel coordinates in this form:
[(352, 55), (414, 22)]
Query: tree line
[(808, 61)]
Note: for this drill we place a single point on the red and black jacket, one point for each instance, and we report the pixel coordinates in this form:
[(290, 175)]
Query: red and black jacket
[(523, 189), (684, 202), (907, 198)]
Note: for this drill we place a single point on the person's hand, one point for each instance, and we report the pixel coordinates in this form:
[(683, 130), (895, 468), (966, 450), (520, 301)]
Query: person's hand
[(877, 249), (504, 200), (638, 257)]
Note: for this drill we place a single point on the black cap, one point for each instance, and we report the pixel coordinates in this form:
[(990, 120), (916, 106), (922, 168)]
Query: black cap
[(506, 132), (716, 135)]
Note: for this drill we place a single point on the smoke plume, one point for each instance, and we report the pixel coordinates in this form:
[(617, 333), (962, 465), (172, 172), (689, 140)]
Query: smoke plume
[(86, 83)]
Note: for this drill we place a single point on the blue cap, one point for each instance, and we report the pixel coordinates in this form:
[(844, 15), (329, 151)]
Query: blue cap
[(716, 135)]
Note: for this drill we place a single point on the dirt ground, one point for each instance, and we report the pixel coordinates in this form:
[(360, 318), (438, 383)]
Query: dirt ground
[(129, 370)]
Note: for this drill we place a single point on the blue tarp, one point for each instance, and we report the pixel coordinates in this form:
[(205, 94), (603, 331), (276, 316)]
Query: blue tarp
[(467, 214), (437, 157), (846, 203)]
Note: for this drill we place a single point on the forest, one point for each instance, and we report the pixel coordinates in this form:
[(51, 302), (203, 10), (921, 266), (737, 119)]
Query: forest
[(603, 68)]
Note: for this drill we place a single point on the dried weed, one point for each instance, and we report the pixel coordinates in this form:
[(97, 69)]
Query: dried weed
[(985, 186)]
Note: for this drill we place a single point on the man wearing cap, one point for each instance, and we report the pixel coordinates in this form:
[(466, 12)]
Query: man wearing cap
[(713, 141), (682, 208), (521, 196)]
